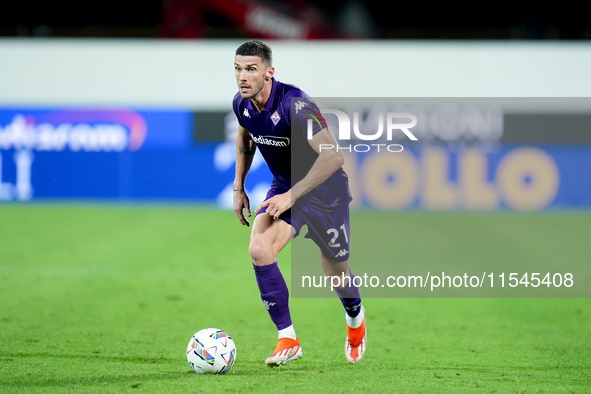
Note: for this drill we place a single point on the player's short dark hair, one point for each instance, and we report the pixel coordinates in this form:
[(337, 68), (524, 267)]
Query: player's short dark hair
[(256, 48)]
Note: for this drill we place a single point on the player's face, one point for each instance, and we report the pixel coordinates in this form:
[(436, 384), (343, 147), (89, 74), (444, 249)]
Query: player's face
[(251, 74)]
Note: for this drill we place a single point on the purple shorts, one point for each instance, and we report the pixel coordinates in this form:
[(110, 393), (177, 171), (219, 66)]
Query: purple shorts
[(328, 227)]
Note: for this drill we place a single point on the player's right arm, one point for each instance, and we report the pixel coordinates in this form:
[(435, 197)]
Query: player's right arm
[(245, 150)]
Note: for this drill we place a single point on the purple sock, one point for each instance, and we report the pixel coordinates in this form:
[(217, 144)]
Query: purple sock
[(274, 293), (350, 297)]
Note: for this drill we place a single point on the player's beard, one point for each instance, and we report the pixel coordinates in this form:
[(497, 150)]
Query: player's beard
[(254, 91)]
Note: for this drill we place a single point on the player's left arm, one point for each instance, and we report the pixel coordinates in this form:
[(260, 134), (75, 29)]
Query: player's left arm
[(327, 162)]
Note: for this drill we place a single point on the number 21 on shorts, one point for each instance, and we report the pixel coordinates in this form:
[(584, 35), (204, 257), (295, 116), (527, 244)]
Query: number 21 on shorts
[(335, 236)]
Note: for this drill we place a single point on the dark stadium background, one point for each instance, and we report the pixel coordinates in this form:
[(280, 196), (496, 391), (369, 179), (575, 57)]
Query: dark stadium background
[(194, 19)]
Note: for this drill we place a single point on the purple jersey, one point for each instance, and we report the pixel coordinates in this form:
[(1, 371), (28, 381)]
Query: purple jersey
[(278, 135)]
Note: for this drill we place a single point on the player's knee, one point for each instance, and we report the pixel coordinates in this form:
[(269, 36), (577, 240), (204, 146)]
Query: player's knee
[(260, 252), (335, 266)]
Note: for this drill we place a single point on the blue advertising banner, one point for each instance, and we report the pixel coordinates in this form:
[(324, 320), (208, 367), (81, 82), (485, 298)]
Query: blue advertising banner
[(114, 153), (189, 174), (93, 129), (473, 177)]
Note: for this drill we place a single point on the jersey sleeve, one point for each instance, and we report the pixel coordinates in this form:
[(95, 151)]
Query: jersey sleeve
[(306, 118), (236, 106)]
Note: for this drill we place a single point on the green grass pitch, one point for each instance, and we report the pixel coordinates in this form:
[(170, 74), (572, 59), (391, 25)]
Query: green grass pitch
[(104, 298)]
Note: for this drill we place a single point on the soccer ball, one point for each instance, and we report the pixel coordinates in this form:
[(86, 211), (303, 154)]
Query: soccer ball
[(211, 351)]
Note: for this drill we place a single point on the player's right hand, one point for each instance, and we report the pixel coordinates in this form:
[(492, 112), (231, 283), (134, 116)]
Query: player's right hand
[(241, 204)]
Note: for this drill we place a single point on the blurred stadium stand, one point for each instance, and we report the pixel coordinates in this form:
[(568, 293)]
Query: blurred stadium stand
[(292, 19)]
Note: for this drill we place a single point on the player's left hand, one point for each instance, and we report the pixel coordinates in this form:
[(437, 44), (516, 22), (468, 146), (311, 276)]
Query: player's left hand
[(276, 205)]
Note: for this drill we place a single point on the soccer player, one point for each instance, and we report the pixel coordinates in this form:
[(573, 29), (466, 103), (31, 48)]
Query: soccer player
[(316, 193)]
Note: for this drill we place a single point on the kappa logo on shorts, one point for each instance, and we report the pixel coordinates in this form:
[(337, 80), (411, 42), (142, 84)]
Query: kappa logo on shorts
[(275, 118), (342, 253)]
